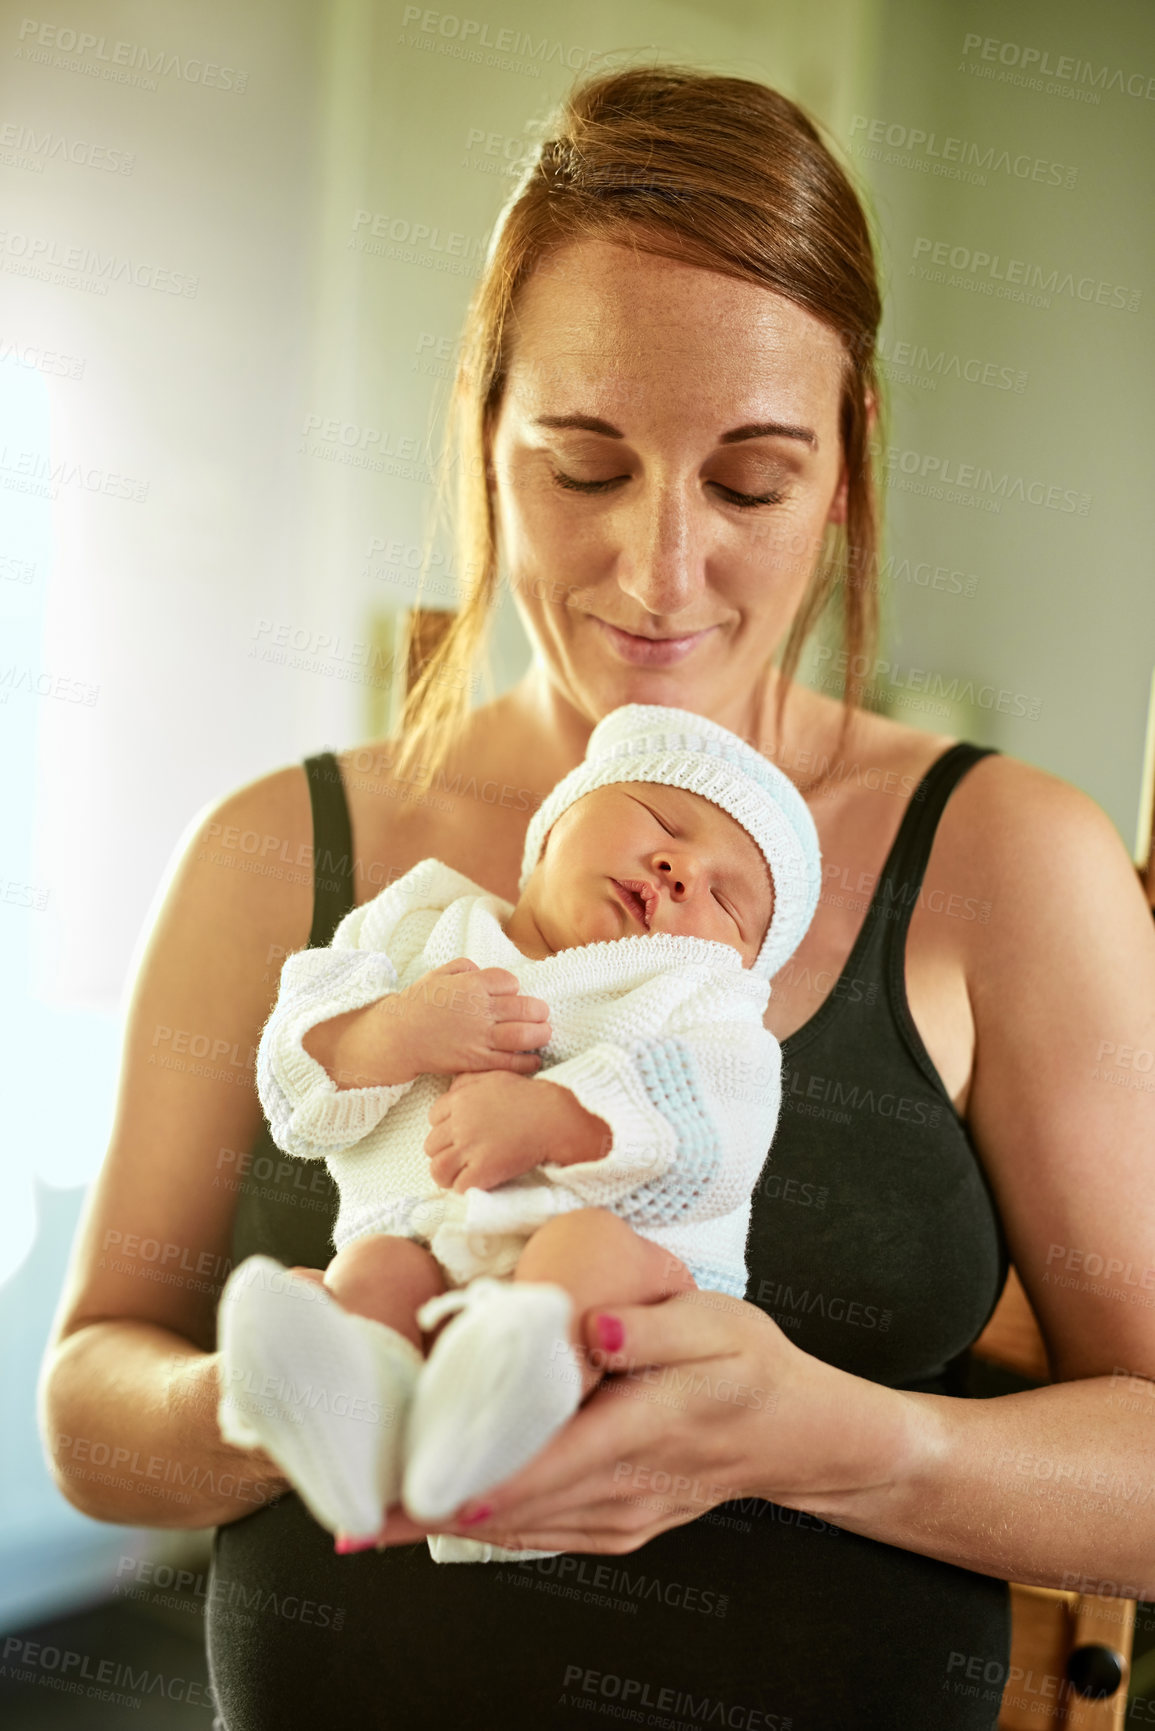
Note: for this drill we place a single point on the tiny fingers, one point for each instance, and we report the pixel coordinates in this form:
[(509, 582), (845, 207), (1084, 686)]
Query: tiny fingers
[(445, 1169), (523, 1063), (499, 981), (520, 1036)]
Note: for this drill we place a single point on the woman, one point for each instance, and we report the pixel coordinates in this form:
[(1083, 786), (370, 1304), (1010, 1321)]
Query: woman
[(780, 1511)]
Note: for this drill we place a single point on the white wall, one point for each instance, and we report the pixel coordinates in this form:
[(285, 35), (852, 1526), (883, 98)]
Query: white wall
[(1062, 618)]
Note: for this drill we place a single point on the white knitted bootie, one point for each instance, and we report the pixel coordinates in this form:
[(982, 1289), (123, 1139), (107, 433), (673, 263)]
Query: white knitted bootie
[(323, 1391), (499, 1383)]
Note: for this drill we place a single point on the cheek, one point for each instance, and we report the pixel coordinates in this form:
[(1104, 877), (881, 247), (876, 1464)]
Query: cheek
[(791, 541)]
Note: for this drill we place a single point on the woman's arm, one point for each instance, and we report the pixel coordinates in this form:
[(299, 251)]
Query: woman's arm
[(1057, 1483), (128, 1382), (691, 1115), (128, 1420)]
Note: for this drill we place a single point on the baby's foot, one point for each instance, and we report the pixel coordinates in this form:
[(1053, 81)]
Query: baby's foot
[(500, 1381), (324, 1392)]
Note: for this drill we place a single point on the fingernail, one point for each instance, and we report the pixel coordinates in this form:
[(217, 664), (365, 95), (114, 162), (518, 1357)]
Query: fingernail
[(479, 1514), (610, 1332), (344, 1546)]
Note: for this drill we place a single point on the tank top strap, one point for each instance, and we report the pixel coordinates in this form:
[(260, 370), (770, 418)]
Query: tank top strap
[(898, 888), (333, 892)]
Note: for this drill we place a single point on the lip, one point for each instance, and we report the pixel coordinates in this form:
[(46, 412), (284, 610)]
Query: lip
[(642, 651), (643, 891)]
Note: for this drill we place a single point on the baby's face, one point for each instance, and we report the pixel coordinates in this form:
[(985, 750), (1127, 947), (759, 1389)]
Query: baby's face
[(639, 857)]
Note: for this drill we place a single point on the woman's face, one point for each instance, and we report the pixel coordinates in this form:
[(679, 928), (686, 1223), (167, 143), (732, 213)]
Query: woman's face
[(643, 568)]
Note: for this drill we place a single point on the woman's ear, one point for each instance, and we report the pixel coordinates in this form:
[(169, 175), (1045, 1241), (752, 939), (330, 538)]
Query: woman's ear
[(837, 512)]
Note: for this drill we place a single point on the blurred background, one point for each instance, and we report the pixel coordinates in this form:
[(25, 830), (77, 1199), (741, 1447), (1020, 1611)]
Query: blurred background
[(236, 250)]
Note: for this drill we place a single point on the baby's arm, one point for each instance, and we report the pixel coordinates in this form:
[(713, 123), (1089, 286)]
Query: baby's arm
[(344, 1044), (488, 1128), (310, 1114), (691, 1116)]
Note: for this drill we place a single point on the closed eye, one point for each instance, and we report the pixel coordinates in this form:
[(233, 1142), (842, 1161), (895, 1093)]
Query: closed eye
[(727, 909), (654, 814), (584, 486), (744, 500)]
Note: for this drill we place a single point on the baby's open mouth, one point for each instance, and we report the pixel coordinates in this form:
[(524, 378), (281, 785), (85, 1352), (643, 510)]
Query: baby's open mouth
[(638, 897)]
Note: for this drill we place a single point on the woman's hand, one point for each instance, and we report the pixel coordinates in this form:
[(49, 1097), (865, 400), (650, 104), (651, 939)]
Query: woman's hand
[(687, 1419), (709, 1402), (488, 1128)]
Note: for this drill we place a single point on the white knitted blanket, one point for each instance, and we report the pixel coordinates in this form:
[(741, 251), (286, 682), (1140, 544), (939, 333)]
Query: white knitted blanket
[(660, 1036)]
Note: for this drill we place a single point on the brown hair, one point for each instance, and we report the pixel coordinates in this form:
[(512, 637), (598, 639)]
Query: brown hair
[(721, 172)]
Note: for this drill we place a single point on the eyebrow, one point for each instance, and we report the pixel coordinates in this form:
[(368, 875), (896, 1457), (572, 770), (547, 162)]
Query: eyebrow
[(751, 430)]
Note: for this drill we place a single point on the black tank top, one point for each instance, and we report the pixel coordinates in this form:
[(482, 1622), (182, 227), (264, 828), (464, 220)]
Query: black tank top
[(874, 1242)]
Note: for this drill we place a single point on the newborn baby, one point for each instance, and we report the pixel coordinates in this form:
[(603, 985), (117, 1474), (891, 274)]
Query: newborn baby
[(664, 881)]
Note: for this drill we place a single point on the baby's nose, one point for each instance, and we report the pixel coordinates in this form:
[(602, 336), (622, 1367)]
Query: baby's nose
[(674, 879)]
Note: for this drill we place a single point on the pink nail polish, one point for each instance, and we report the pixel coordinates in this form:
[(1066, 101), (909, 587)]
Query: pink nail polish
[(481, 1514), (345, 1546), (610, 1332)]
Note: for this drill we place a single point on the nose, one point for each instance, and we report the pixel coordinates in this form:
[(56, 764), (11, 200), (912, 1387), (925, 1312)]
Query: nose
[(679, 872), (661, 561)]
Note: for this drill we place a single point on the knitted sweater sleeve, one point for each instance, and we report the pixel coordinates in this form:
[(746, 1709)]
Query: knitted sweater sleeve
[(309, 1116), (691, 1116)]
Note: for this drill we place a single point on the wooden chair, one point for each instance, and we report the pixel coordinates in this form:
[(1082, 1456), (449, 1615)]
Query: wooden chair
[(1061, 1642), (1145, 843)]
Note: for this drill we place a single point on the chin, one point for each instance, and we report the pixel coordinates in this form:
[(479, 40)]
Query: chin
[(610, 687)]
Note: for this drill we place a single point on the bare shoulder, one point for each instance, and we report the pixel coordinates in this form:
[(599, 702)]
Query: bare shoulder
[(244, 865), (1062, 906), (1031, 834), (1005, 818), (233, 902)]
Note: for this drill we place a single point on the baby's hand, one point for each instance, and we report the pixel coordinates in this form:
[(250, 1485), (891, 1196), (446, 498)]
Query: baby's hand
[(487, 1129), (483, 1131), (462, 1018)]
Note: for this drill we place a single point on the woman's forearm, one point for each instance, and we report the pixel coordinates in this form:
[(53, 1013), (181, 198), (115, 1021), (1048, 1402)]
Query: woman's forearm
[(128, 1422), (1054, 1487)]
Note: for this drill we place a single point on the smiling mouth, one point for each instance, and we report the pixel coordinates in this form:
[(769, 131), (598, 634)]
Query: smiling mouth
[(657, 637), (637, 897)]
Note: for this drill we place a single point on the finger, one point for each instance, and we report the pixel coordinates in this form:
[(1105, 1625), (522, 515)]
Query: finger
[(619, 1495), (597, 1528), (519, 1036), (565, 1506), (438, 1142), (679, 1330), (445, 1164), (521, 1063), (499, 981), (460, 965), (400, 1529), (608, 1525), (602, 1430), (521, 1009), (464, 1079)]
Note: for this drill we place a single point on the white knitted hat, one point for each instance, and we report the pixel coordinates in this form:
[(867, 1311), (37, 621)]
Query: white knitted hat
[(648, 742)]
